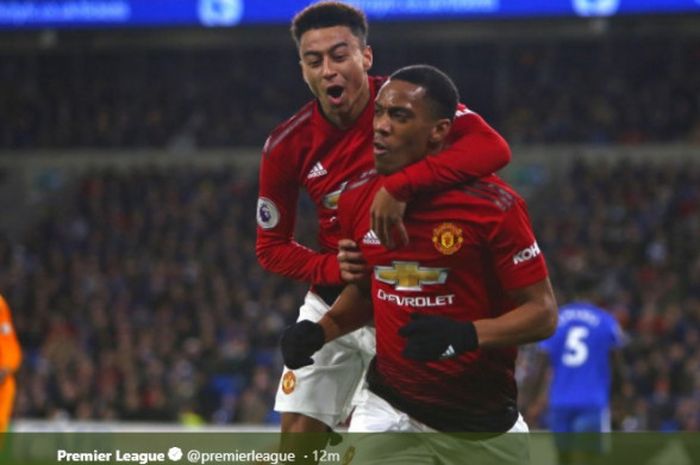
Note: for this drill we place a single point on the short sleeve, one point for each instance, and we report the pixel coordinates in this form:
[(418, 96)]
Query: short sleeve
[(518, 259)]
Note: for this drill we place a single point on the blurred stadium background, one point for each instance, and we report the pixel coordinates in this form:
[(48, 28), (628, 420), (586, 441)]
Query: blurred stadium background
[(130, 134)]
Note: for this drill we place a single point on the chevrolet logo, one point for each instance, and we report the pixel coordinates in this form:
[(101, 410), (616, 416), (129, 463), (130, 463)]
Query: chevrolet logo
[(409, 276)]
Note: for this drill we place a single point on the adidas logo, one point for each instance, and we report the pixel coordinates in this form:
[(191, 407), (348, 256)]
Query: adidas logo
[(449, 352), (371, 238), (316, 171)]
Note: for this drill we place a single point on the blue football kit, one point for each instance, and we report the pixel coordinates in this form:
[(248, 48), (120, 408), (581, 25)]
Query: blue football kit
[(579, 352)]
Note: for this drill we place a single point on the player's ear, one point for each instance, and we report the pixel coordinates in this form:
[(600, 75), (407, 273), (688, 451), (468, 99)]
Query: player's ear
[(440, 130), (367, 57)]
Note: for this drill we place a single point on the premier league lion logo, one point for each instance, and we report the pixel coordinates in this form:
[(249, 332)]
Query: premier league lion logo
[(268, 215)]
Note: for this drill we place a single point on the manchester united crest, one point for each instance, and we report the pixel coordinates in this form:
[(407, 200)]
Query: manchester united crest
[(289, 382), (447, 238)]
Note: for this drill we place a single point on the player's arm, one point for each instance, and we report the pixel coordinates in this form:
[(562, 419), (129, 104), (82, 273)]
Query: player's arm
[(351, 310), (275, 247), (476, 150), (430, 337), (534, 318), (522, 272)]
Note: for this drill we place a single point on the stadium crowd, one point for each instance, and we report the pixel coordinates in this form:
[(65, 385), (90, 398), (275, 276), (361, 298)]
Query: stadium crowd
[(608, 91), (139, 296), (142, 299)]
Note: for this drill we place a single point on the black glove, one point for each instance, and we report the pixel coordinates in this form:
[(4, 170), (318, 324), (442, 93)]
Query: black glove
[(300, 341), (432, 337)]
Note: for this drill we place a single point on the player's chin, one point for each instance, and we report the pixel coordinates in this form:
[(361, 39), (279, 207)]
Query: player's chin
[(382, 161), (381, 167)]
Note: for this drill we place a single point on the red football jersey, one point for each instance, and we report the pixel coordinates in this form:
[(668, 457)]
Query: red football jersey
[(308, 152), (468, 246)]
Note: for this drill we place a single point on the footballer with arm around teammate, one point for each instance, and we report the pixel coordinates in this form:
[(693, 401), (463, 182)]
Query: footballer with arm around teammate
[(318, 149), (451, 309)]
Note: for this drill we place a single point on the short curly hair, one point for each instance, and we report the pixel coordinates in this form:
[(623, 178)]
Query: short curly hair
[(328, 14)]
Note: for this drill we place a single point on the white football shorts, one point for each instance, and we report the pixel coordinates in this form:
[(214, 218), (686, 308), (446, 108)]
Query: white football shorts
[(327, 390), (375, 415)]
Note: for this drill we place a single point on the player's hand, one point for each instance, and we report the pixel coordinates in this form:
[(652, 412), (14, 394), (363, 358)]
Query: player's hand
[(432, 337), (386, 213), (299, 342), (353, 267)]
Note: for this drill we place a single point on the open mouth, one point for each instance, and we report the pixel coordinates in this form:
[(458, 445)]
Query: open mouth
[(335, 94), (379, 148)]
